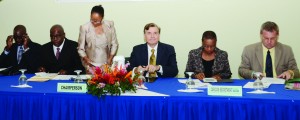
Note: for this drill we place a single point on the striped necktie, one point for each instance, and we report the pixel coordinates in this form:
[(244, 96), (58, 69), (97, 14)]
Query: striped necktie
[(57, 53), (152, 62), (20, 52)]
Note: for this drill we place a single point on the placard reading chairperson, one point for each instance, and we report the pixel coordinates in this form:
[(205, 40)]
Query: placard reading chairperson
[(72, 87)]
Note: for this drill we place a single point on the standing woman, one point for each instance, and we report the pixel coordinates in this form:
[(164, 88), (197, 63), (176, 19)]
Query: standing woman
[(97, 42), (208, 60)]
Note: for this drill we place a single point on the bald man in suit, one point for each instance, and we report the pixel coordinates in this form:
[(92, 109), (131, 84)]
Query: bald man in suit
[(60, 54)]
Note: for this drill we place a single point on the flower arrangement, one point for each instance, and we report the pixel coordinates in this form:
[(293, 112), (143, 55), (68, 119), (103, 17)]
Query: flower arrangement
[(106, 80)]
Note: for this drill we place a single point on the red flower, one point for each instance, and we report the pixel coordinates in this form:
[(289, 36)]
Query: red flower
[(117, 80), (111, 80)]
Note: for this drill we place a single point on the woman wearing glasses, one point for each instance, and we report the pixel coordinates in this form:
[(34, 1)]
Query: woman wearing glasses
[(97, 42), (208, 61)]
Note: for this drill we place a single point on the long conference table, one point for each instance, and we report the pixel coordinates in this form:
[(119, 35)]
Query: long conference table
[(43, 102)]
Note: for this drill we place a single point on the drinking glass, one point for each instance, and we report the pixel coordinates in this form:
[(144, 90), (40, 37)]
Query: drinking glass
[(22, 78), (78, 78), (258, 85), (141, 79), (190, 82)]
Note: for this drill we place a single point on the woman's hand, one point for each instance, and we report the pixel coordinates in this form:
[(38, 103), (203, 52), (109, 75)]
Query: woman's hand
[(217, 77), (86, 60), (200, 76)]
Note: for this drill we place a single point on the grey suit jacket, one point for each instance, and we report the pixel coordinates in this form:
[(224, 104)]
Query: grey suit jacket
[(87, 38), (252, 60)]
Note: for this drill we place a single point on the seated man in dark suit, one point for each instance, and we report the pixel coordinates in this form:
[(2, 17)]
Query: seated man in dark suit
[(154, 59), (60, 55), (23, 54)]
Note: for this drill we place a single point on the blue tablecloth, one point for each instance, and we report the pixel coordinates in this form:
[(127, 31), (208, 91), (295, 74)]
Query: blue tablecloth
[(43, 102)]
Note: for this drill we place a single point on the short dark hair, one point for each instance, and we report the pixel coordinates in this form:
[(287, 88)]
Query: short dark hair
[(151, 25), (98, 9), (269, 26), (20, 27), (57, 26), (209, 35)]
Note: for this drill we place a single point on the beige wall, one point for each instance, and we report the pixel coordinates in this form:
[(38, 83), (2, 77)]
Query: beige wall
[(236, 22)]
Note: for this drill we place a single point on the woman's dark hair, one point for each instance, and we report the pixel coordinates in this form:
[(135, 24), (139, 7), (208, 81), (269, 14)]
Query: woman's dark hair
[(209, 35), (98, 9)]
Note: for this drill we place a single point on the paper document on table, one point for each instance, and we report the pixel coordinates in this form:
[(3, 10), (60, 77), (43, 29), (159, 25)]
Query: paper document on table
[(250, 85), (209, 80), (261, 92), (42, 78), (184, 80), (70, 77), (273, 80), (142, 92), (21, 86), (1, 69), (198, 83), (63, 77)]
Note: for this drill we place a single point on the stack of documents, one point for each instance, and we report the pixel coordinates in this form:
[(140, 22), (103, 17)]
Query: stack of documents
[(42, 77), (198, 83)]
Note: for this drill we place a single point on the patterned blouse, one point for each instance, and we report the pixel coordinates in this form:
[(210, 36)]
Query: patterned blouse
[(220, 66)]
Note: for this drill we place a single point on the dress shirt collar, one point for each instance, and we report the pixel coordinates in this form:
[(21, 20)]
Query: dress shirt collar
[(60, 47), (265, 50), (155, 47)]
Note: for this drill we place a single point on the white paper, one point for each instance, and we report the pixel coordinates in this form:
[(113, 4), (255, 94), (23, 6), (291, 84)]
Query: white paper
[(1, 69), (198, 83), (142, 87), (250, 85), (260, 92), (63, 77), (142, 92), (21, 86), (273, 80), (45, 75), (68, 77), (190, 90), (209, 80), (184, 80)]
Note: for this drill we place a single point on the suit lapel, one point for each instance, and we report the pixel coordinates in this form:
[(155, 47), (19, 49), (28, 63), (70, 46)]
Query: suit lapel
[(15, 54), (278, 53), (159, 53), (259, 55), (63, 51), (106, 30), (144, 56)]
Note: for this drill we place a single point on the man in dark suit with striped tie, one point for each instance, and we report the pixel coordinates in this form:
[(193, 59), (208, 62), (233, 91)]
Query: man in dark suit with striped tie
[(60, 54), (153, 58)]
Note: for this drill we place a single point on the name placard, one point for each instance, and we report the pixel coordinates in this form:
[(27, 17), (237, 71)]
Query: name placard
[(72, 87), (225, 90)]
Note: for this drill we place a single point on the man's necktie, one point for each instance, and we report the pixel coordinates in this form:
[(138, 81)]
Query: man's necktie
[(20, 52), (269, 69), (152, 62), (57, 53)]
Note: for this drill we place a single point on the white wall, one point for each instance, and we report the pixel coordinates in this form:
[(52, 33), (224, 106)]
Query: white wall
[(236, 22)]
